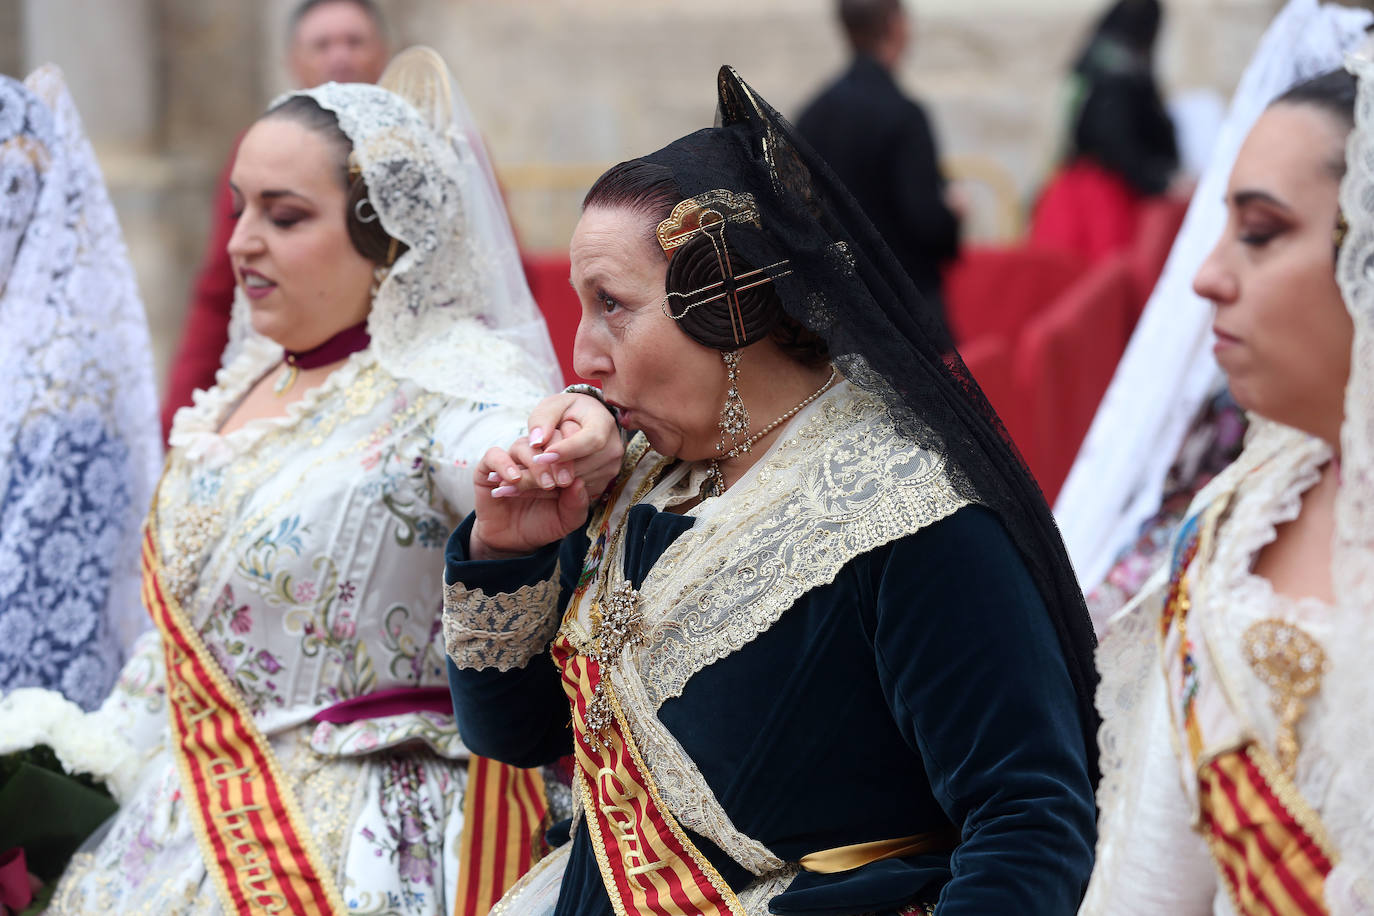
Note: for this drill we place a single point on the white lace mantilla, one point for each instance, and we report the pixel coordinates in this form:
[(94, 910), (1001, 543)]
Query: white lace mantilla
[(1350, 886), (838, 483), (454, 313), (79, 443)]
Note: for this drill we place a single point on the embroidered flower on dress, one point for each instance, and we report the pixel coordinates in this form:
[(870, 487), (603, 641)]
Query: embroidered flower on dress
[(268, 662), (242, 620)]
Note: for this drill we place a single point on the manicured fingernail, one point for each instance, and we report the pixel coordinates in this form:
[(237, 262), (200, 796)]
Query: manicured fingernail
[(564, 477), (505, 491), (493, 477), (546, 458), (536, 436), (512, 473), (546, 481)]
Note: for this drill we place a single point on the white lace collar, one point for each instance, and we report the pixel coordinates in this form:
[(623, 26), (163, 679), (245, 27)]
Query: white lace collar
[(196, 428)]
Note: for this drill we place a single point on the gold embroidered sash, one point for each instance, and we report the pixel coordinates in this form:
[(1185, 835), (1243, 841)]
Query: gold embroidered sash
[(247, 822), (1269, 846), (647, 863)]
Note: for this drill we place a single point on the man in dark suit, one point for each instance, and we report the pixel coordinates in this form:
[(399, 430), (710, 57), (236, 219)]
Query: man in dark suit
[(880, 144)]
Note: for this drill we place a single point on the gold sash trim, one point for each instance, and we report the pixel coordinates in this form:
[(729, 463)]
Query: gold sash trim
[(247, 822), (848, 858)]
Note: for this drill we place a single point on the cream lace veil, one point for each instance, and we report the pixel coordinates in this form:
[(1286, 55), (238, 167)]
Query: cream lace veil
[(454, 314), (1168, 371), (1350, 887), (79, 444)]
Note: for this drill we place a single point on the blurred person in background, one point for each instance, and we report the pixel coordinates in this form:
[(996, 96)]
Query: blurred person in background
[(340, 40), (1121, 144), (79, 450), (879, 142)]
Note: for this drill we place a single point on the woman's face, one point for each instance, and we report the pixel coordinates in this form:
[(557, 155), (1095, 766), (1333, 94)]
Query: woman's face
[(664, 383), (1283, 334), (290, 249)]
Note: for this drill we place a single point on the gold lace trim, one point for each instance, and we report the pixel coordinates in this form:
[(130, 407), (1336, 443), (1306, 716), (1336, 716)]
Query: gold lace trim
[(501, 631), (843, 484)]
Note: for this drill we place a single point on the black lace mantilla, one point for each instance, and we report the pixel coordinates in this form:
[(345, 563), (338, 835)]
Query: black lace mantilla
[(842, 282)]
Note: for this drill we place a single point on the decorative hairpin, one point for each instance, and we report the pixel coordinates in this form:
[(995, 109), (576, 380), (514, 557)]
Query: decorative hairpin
[(1342, 229), (707, 215)]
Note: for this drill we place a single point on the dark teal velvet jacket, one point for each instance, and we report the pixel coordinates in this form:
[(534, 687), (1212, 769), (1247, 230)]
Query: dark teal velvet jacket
[(923, 689)]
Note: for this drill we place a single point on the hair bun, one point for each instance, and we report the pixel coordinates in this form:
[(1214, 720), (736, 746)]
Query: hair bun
[(700, 301)]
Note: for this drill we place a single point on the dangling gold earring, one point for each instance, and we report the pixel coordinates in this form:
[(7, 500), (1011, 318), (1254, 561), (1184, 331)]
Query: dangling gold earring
[(734, 416), (734, 423)]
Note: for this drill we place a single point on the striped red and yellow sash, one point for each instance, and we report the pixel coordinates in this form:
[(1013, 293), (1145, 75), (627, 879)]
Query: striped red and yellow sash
[(246, 820), (647, 862), (503, 832), (1268, 844)]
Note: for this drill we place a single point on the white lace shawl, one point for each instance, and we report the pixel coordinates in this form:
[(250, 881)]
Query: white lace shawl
[(1168, 371)]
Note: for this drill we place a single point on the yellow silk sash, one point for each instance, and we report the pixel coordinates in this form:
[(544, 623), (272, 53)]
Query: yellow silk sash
[(503, 817), (247, 822), (857, 855)]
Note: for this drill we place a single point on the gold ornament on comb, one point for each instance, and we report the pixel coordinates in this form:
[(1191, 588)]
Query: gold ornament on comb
[(708, 214)]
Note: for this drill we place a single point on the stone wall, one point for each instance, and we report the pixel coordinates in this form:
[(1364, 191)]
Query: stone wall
[(166, 85)]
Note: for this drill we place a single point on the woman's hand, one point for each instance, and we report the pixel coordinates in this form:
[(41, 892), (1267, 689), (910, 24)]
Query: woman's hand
[(520, 521), (582, 437), (538, 490)]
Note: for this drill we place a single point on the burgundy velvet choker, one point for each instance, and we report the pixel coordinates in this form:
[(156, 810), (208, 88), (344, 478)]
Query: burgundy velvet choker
[(347, 341), (344, 343)]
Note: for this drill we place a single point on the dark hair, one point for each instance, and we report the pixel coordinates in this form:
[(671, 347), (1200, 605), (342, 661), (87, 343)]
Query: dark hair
[(1134, 23), (1332, 93), (866, 21), (650, 190), (369, 238), (305, 6)]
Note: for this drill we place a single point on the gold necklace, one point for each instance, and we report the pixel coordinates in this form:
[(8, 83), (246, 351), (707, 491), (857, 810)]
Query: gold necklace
[(714, 484)]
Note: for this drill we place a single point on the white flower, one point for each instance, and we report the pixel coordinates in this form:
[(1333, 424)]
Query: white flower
[(32, 716)]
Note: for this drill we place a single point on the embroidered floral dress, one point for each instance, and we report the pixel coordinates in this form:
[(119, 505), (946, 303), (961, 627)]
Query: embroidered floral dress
[(1151, 855), (307, 552)]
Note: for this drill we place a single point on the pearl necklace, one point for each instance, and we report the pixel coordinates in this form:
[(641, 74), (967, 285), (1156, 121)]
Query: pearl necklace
[(714, 484)]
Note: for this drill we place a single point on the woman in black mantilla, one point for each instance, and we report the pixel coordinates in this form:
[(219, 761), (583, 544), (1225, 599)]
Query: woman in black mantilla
[(823, 648)]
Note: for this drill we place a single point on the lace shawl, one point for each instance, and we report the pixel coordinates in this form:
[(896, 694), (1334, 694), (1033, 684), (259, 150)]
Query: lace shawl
[(1148, 855), (1350, 887)]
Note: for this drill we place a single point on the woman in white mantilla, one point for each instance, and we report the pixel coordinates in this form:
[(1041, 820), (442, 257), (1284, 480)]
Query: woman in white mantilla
[(1237, 753), (298, 747), (1167, 424)]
